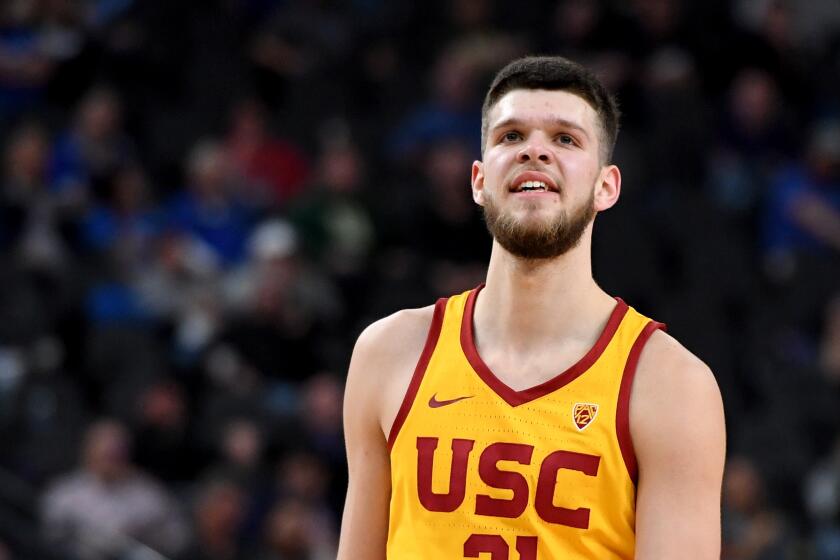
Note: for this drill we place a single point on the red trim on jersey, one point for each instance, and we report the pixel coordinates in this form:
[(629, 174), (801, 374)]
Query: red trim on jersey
[(516, 398), (419, 371), (622, 415)]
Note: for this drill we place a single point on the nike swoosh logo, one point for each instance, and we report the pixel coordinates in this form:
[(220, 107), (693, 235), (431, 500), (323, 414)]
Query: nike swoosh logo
[(434, 403)]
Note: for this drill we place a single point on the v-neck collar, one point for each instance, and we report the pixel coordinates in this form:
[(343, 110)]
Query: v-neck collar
[(516, 398)]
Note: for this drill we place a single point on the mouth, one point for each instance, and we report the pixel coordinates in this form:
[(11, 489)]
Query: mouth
[(531, 186), (533, 182)]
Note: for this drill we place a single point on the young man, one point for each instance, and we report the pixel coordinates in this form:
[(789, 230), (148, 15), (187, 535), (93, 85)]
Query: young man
[(535, 417)]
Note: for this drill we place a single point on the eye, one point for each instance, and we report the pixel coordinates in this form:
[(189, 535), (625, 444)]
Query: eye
[(511, 136), (565, 139)]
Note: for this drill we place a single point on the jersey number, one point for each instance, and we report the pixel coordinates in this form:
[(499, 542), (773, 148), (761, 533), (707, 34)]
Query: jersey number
[(498, 547)]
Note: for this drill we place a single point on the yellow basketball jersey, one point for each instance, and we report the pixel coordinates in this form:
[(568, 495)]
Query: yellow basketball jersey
[(479, 470)]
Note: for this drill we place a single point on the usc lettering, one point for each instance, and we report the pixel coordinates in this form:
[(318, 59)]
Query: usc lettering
[(493, 476), (490, 474), (450, 501)]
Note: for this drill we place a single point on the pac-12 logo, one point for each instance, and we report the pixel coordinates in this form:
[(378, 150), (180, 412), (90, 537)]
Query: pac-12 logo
[(583, 414)]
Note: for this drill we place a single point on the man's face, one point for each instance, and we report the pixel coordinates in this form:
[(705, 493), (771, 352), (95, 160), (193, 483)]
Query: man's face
[(541, 169), (107, 451)]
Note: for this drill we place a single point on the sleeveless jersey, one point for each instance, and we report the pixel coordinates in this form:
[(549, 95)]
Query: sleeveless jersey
[(479, 470)]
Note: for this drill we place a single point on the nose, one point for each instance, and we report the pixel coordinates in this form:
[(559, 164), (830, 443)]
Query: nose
[(534, 149)]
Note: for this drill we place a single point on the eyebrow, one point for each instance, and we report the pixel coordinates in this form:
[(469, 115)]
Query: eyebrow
[(558, 122)]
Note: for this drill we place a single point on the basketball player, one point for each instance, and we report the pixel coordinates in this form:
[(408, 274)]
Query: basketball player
[(535, 417)]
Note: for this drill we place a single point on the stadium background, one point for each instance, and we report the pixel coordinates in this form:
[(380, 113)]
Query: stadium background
[(202, 203)]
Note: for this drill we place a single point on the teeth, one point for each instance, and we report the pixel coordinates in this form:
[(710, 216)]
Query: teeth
[(533, 185)]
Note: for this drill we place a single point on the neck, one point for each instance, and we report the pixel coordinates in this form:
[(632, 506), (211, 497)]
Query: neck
[(528, 303)]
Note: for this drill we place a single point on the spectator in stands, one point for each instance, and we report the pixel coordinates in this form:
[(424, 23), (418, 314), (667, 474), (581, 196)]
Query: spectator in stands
[(294, 51), (179, 287), (830, 344), (126, 223), (675, 111), (294, 531), (822, 502), (217, 519), (334, 218), (92, 150), (297, 521), (751, 530), (275, 170), (658, 22), (320, 414), (212, 212), (803, 214), (164, 442), (25, 67), (801, 226), (577, 28), (242, 450), (43, 414), (122, 231), (109, 507), (34, 226), (754, 139), (65, 37), (451, 110), (321, 423), (279, 302), (448, 213)]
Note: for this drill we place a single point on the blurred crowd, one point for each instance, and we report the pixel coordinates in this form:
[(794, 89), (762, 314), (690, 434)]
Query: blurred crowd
[(202, 203)]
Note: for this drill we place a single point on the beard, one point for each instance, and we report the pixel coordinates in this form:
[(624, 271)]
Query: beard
[(544, 239)]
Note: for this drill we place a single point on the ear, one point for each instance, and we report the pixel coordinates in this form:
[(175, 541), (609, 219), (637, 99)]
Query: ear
[(477, 182), (607, 188)]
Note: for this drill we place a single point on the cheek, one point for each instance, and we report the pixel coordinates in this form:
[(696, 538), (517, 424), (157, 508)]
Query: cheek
[(580, 164), (497, 173), (584, 171), (497, 159)]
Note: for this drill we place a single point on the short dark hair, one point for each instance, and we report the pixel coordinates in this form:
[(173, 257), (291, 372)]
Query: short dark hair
[(556, 73)]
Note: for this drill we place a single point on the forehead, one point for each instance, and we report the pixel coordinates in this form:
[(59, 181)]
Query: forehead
[(542, 106)]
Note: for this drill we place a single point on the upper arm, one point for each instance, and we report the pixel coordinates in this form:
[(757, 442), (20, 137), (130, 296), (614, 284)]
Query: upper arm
[(379, 374), (677, 426)]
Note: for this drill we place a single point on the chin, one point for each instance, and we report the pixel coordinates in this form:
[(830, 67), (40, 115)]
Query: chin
[(536, 222)]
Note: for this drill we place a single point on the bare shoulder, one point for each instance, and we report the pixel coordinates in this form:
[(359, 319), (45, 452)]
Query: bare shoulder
[(665, 366), (675, 401), (391, 342), (393, 336), (384, 359)]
